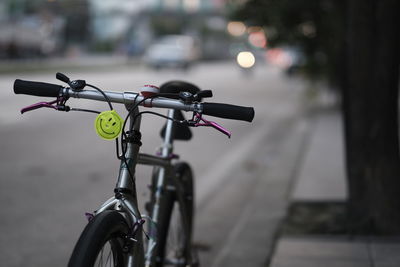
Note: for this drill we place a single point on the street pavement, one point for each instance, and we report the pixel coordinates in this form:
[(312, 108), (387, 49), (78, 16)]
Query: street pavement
[(54, 168)]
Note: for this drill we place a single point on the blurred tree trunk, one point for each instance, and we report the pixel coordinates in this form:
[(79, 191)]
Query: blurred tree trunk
[(371, 115)]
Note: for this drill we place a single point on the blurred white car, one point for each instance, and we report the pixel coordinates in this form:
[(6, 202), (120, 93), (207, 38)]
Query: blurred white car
[(172, 51)]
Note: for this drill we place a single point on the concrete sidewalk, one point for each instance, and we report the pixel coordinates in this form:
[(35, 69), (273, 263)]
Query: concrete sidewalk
[(336, 252), (321, 179)]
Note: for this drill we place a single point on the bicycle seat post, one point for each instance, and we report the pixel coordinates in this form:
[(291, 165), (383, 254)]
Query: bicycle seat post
[(167, 147)]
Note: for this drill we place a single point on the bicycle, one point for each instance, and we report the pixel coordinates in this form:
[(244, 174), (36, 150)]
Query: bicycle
[(115, 234)]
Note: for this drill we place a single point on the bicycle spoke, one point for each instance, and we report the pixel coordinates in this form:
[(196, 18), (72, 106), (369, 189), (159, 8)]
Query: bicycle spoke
[(106, 256), (101, 257)]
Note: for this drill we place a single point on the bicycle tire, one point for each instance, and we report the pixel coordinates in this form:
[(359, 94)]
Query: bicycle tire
[(176, 204), (106, 229)]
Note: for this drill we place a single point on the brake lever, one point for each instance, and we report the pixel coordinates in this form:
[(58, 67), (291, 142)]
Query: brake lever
[(213, 124), (58, 104), (39, 105)]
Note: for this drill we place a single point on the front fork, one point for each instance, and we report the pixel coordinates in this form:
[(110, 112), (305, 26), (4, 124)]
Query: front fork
[(125, 199)]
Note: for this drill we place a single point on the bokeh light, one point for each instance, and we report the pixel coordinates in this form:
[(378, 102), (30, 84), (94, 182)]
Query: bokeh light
[(258, 39), (236, 28), (246, 59)]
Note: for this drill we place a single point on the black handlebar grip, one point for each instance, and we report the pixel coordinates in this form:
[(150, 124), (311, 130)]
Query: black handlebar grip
[(36, 88), (229, 111)]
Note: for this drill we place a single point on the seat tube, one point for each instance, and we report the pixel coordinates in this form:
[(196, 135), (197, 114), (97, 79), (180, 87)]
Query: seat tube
[(166, 150)]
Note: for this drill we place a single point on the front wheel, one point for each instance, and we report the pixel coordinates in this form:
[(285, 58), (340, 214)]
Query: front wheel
[(101, 242)]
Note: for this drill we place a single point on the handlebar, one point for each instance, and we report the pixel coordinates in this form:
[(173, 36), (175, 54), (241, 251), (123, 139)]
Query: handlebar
[(213, 109)]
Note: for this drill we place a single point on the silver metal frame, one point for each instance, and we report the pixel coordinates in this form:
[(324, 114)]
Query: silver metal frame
[(126, 203)]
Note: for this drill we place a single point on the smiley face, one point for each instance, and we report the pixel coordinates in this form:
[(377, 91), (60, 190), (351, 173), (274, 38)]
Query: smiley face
[(108, 124)]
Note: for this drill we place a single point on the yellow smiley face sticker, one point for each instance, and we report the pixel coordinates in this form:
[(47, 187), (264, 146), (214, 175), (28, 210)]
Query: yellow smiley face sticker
[(108, 124)]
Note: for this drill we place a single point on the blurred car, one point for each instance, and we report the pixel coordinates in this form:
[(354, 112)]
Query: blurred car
[(290, 59), (178, 51), (297, 60), (31, 37)]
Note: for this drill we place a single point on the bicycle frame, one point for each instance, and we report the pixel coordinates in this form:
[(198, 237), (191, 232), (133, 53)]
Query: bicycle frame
[(125, 199)]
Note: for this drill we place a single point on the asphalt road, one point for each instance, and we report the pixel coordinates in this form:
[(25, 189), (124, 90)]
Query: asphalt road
[(53, 167)]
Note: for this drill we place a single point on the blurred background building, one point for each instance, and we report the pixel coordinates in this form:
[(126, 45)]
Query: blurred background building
[(49, 27), (52, 28)]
